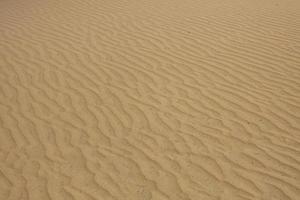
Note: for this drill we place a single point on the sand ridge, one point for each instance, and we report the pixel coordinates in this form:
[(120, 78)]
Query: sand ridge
[(141, 100)]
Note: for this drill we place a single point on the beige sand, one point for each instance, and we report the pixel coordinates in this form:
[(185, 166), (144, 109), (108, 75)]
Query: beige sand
[(150, 99)]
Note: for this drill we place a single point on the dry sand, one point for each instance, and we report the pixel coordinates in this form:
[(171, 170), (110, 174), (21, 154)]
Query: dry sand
[(150, 99)]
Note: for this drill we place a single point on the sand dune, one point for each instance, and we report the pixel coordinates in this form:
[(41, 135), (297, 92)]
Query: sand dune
[(148, 99)]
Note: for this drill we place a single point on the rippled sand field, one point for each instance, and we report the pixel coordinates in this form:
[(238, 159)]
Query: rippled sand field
[(149, 100)]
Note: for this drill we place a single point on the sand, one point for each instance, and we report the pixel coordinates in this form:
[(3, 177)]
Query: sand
[(150, 100)]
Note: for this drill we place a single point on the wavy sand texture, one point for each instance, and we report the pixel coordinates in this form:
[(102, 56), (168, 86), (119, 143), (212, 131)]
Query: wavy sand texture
[(150, 99)]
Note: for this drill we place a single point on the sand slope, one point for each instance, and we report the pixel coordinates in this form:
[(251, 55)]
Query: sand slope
[(148, 99)]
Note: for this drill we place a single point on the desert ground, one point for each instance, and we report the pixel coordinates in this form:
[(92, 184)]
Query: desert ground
[(149, 100)]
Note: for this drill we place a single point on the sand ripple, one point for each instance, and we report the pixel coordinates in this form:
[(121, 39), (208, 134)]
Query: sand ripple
[(141, 100)]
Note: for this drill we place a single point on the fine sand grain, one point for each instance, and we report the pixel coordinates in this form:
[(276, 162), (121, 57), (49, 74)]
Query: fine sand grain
[(149, 100)]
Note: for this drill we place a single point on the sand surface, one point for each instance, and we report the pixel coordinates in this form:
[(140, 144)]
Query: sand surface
[(149, 100)]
